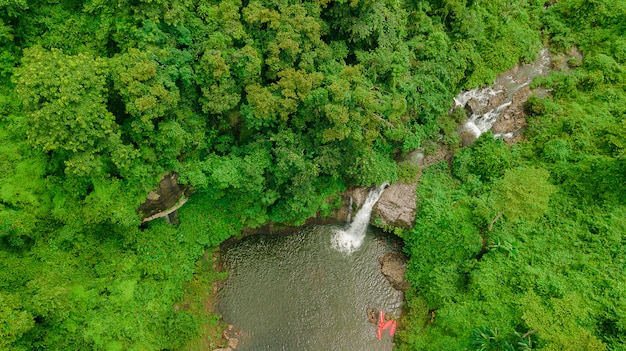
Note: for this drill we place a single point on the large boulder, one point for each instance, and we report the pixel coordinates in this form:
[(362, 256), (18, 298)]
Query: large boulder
[(473, 107), (166, 199), (488, 101), (397, 206), (393, 266)]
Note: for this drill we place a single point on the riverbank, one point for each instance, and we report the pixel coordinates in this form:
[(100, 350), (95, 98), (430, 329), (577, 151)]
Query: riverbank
[(199, 300)]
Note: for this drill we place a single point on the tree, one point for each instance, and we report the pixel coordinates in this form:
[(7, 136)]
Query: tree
[(14, 320), (559, 323), (523, 193), (148, 91), (487, 158), (64, 99)]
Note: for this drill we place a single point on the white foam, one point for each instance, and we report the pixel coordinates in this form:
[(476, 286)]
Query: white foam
[(351, 239)]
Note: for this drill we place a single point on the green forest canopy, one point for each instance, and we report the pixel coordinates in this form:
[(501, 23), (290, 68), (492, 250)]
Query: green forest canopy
[(267, 110)]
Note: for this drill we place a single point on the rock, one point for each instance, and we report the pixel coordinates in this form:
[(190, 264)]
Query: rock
[(397, 206), (467, 138), (496, 100), (168, 195), (513, 118), (233, 343), (358, 198), (153, 196), (415, 157), (440, 154), (490, 100), (393, 266), (472, 107), (372, 315), (224, 349)]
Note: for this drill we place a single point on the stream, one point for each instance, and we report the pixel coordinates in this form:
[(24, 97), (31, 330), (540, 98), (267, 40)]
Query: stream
[(486, 105)]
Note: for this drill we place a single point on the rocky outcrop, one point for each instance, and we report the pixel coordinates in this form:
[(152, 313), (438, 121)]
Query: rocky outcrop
[(393, 266), (397, 206), (165, 200), (513, 120), (479, 105), (351, 201), (500, 107)]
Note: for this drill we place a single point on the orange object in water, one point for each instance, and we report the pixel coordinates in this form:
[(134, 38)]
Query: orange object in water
[(392, 329), (381, 321), (387, 324)]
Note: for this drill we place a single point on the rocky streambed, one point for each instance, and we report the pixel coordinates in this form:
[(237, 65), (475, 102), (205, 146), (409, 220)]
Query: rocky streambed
[(499, 108)]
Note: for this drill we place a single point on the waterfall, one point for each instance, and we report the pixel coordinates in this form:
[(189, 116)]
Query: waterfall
[(478, 124), (487, 104), (349, 219), (351, 238)]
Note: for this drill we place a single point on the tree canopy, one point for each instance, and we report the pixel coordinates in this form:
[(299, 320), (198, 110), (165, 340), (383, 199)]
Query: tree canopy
[(267, 110)]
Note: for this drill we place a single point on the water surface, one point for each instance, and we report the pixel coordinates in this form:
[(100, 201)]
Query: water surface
[(296, 292)]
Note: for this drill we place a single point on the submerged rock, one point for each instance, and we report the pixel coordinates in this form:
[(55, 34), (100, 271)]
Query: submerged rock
[(372, 315), (233, 343)]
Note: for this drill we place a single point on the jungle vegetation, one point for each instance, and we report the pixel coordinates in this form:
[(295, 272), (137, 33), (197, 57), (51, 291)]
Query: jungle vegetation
[(268, 109)]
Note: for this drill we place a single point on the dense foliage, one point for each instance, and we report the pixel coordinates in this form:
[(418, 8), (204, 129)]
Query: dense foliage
[(267, 109), (520, 248)]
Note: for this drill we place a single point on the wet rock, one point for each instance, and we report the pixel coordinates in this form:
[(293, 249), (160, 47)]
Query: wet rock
[(346, 210), (372, 315), (513, 119), (393, 266), (472, 107), (233, 343), (479, 104), (496, 100), (397, 206), (162, 202), (358, 196)]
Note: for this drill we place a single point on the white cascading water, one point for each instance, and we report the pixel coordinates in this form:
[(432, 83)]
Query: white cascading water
[(508, 84), (350, 239)]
